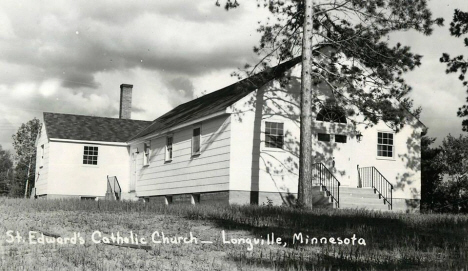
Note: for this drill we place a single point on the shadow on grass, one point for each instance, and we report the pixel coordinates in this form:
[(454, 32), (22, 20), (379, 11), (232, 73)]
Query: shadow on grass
[(393, 240), (298, 261)]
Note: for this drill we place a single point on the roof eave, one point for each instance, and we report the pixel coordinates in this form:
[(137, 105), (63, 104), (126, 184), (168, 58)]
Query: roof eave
[(156, 134), (88, 142)]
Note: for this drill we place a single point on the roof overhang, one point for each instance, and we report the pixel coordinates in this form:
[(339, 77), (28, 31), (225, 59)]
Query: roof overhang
[(88, 142), (227, 111)]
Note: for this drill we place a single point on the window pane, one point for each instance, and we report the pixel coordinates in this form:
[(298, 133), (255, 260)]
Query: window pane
[(385, 144), (169, 148), (268, 141), (90, 155), (274, 135), (196, 141), (340, 138), (324, 137)]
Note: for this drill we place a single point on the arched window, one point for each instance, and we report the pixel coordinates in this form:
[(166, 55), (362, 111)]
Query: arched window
[(332, 114)]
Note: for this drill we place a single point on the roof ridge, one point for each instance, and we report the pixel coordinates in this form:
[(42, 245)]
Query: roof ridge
[(88, 116)]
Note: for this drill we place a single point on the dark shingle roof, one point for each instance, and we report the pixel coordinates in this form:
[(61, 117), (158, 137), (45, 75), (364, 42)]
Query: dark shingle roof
[(89, 128), (216, 101)]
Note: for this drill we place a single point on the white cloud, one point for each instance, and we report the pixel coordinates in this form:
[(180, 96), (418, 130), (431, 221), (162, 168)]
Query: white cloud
[(49, 87), (23, 90), (161, 47), (6, 29)]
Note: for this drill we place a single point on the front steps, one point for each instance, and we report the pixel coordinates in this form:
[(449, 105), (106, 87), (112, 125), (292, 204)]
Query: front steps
[(320, 199), (361, 198), (350, 198)]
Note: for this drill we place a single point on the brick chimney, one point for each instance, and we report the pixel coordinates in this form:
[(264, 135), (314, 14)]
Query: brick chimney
[(125, 101)]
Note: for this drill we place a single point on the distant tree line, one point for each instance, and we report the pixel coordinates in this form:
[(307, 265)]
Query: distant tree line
[(17, 173), (6, 171)]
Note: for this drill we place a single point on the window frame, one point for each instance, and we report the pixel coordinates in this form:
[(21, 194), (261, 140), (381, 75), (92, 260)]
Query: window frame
[(267, 133), (87, 156), (41, 163), (326, 112), (196, 153), (340, 135), (167, 151), (387, 144), (324, 134), (146, 153)]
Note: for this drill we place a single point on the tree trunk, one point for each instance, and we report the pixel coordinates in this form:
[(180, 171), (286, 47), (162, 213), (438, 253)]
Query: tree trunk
[(27, 178), (305, 157)]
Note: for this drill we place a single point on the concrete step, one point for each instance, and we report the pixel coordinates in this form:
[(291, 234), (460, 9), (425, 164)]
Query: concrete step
[(361, 199), (382, 207), (356, 190), (351, 198), (371, 202), (358, 196), (370, 205)]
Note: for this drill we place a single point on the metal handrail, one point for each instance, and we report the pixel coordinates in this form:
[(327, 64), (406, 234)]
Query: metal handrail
[(114, 187), (328, 182), (371, 177)]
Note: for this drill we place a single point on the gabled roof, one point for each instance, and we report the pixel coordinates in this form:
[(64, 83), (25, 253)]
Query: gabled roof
[(90, 128), (216, 101)]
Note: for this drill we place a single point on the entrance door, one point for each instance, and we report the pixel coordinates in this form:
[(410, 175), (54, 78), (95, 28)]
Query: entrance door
[(342, 156)]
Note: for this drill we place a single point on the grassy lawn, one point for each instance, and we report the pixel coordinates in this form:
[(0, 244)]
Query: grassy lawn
[(393, 241)]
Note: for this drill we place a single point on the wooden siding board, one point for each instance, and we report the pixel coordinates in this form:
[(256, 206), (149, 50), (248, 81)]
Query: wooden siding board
[(42, 183), (185, 189), (158, 166), (195, 177), (185, 170), (158, 154), (206, 172)]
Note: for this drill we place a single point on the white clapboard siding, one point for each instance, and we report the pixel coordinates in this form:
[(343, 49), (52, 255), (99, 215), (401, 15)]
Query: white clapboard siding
[(194, 188), (199, 178), (42, 168), (201, 166), (206, 172), (209, 156), (178, 155), (188, 176)]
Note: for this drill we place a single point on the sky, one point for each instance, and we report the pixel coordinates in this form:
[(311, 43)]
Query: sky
[(72, 56)]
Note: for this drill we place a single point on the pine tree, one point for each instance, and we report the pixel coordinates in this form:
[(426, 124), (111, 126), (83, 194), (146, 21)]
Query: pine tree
[(350, 54), (458, 28)]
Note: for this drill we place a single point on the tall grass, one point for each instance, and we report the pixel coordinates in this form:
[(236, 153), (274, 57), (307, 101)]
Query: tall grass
[(393, 240)]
